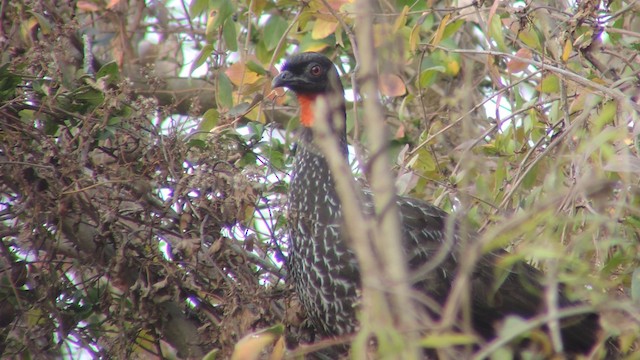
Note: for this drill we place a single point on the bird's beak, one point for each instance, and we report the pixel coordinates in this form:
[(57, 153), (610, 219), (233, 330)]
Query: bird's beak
[(282, 80)]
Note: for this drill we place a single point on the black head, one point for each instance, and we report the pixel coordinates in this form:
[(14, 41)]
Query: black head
[(309, 73)]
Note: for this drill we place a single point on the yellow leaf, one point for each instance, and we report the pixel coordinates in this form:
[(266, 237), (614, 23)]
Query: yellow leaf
[(391, 85), (447, 339), (314, 46), (530, 38), (239, 74), (453, 67), (144, 342), (438, 35), (278, 350), (566, 51), (414, 38), (323, 28), (250, 346), (401, 20), (35, 317)]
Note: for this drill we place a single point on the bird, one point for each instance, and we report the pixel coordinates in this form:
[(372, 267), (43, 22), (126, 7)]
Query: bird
[(323, 268)]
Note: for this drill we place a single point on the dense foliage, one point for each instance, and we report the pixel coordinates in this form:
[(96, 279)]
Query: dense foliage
[(141, 207)]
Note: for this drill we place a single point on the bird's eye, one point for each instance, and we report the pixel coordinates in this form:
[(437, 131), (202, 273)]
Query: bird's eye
[(316, 70)]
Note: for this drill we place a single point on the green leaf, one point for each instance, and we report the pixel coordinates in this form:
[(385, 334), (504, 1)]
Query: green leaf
[(90, 96), (8, 83), (273, 31), (422, 162), (635, 286), (606, 115), (255, 67), (632, 220), (209, 120), (550, 84), (249, 158), (202, 57), (26, 115), (513, 326), (495, 32), (109, 69), (428, 76), (615, 37), (263, 55), (197, 143), (452, 28), (211, 355), (530, 37), (51, 126), (45, 25), (113, 121), (224, 93), (229, 35), (224, 9), (197, 7), (239, 110)]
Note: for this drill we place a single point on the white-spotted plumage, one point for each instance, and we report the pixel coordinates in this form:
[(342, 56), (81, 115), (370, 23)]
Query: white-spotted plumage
[(323, 268)]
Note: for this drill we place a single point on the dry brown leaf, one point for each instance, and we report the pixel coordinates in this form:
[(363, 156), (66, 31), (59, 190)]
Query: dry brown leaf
[(87, 6), (516, 65), (400, 132), (391, 85)]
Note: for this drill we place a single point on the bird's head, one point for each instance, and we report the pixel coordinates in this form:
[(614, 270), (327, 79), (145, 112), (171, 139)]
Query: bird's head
[(310, 75)]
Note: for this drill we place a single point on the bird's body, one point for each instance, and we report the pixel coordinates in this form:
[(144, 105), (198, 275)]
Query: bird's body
[(323, 268)]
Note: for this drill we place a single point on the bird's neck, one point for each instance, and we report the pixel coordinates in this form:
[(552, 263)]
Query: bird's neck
[(312, 181), (308, 111), (307, 103)]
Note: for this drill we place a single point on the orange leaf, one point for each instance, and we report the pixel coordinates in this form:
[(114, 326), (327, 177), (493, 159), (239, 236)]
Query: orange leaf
[(239, 74), (112, 4), (517, 65), (391, 85), (400, 132)]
